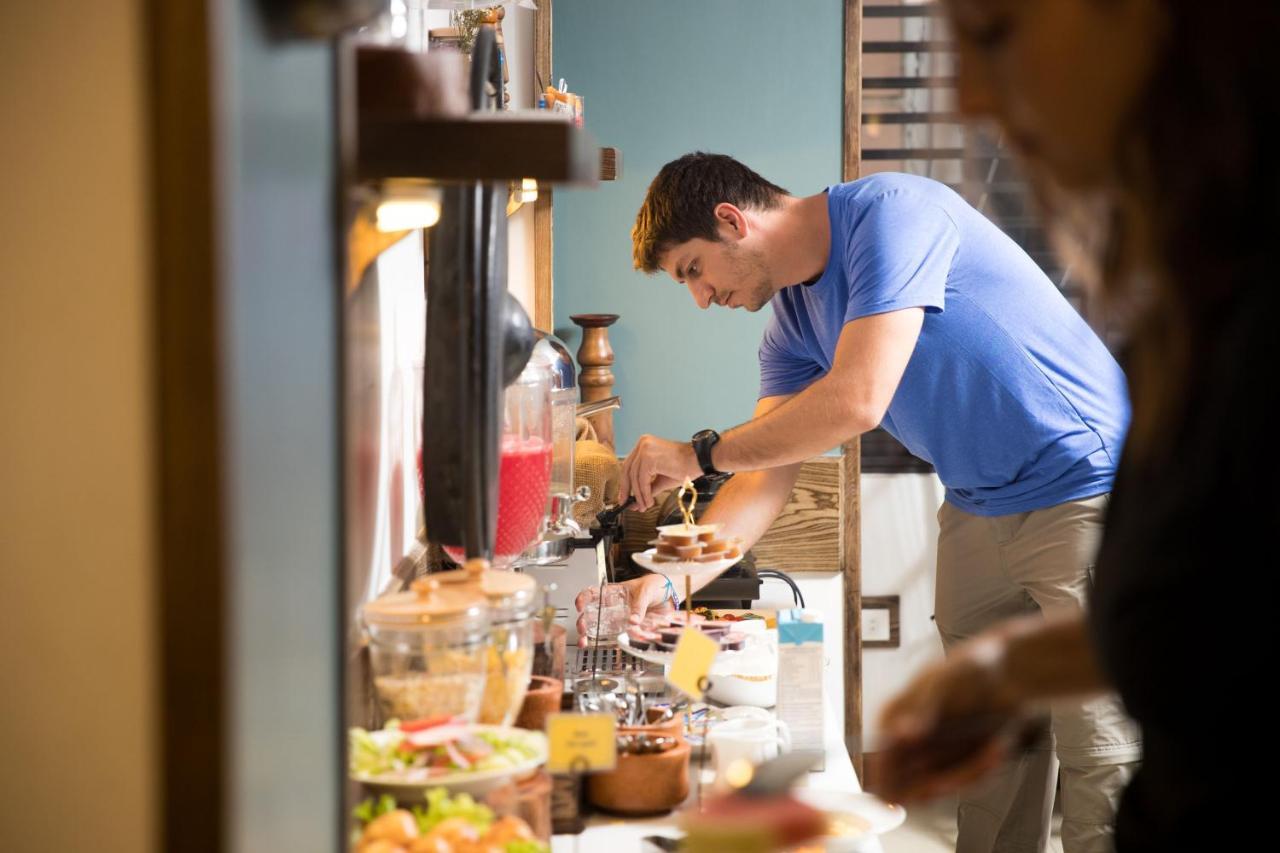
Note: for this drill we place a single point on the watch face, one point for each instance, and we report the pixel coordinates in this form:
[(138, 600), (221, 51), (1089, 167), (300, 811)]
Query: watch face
[(702, 442)]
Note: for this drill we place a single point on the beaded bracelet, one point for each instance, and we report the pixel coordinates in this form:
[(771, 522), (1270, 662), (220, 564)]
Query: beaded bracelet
[(671, 593)]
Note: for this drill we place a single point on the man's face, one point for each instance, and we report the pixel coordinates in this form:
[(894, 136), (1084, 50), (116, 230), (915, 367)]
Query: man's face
[(723, 272)]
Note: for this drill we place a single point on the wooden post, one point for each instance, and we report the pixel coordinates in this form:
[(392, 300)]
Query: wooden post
[(595, 357), (851, 468), (543, 313)]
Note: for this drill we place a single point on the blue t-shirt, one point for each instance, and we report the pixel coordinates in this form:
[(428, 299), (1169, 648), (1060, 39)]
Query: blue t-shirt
[(1008, 392)]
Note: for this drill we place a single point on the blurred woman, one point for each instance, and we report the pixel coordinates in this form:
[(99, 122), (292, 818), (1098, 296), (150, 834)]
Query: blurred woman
[(1150, 130)]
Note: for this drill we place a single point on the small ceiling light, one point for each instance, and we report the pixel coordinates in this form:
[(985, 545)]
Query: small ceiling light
[(404, 208)]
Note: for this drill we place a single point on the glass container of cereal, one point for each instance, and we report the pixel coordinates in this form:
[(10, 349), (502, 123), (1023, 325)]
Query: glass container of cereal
[(509, 646), (428, 650)]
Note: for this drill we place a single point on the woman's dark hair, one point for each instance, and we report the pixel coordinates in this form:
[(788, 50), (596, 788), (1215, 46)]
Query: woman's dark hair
[(681, 201), (1196, 219)]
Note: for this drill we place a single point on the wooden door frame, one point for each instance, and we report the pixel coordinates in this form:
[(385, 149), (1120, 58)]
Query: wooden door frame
[(851, 539), (851, 461), (851, 474), (201, 675), (543, 308), (191, 536)]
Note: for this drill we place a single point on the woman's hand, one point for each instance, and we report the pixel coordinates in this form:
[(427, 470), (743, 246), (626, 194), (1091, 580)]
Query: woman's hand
[(645, 594), (961, 718), (957, 721)]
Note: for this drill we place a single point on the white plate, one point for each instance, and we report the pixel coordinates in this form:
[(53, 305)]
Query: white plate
[(866, 809), (665, 658), (690, 568), (413, 790)]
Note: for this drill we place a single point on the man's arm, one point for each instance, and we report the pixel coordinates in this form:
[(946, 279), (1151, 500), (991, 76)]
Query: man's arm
[(851, 399), (748, 504), (745, 507), (871, 355)]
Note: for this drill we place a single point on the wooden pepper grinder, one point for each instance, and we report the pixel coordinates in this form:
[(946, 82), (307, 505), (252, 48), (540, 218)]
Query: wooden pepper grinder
[(595, 356)]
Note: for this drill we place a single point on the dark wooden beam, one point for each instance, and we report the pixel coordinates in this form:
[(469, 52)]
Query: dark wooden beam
[(191, 538)]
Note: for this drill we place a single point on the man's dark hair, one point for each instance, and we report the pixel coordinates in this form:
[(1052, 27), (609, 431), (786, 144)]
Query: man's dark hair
[(680, 204)]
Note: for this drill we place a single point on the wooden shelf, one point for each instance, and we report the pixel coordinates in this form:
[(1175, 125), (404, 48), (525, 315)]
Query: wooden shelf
[(498, 146)]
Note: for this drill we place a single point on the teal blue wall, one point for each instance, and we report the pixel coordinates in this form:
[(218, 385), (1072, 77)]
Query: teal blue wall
[(756, 79)]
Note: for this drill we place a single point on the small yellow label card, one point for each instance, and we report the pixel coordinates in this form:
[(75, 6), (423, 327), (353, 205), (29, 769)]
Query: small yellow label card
[(580, 743), (694, 653)]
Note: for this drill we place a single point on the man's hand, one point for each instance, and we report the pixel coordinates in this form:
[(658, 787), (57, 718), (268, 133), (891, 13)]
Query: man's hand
[(644, 595), (655, 465)]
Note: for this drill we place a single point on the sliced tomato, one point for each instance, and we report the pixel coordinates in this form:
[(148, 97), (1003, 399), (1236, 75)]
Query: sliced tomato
[(425, 723)]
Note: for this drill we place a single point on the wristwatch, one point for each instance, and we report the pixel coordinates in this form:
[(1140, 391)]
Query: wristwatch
[(702, 443)]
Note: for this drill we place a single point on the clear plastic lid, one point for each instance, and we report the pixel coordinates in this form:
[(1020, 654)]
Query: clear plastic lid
[(510, 595), (427, 605)]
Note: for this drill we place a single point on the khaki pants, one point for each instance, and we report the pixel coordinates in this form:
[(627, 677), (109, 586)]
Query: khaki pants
[(996, 568)]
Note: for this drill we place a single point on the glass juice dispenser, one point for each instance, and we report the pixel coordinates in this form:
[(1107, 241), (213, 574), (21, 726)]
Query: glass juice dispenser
[(524, 465)]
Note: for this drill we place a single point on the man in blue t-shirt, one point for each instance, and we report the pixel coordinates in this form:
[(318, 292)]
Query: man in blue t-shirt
[(896, 304)]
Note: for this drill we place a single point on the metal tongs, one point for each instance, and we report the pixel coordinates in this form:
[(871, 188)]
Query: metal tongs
[(608, 519), (608, 404)]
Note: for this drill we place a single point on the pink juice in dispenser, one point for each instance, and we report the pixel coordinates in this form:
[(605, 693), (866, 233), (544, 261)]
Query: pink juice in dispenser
[(524, 476)]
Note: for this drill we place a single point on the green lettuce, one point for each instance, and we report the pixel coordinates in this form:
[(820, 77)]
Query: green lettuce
[(441, 807)]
